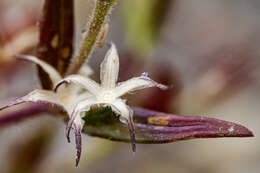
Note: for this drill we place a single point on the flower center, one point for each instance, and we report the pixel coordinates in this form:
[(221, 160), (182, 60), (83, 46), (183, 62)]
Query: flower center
[(106, 96)]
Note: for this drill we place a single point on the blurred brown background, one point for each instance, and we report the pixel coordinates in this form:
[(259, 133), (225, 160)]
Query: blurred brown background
[(208, 50)]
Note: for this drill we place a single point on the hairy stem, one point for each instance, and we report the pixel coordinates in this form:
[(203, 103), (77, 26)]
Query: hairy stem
[(101, 11)]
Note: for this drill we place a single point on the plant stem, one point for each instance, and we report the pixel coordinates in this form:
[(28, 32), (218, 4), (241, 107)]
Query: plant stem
[(101, 11)]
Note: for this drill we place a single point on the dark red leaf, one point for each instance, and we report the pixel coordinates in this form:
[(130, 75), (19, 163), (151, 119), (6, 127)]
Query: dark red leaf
[(56, 37), (157, 127)]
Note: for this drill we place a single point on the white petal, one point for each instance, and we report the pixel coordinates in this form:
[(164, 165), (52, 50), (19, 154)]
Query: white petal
[(75, 117), (84, 82), (121, 108), (52, 72), (126, 116), (136, 83), (83, 96), (109, 68), (86, 70), (36, 96), (85, 105), (43, 95), (78, 141)]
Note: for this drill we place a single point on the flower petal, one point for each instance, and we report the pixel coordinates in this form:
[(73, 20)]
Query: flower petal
[(83, 96), (35, 96), (86, 70), (78, 140), (85, 82), (126, 116), (77, 123), (109, 68), (131, 130), (136, 83), (75, 118), (53, 74)]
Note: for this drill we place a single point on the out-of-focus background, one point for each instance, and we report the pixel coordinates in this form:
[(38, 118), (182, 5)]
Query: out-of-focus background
[(208, 50)]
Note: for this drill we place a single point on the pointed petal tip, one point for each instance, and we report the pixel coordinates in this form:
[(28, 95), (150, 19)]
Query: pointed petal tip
[(145, 76), (133, 147), (19, 56), (78, 141), (112, 52), (13, 103), (113, 46), (109, 68), (67, 134), (131, 130), (3, 107), (50, 70), (156, 84), (27, 58)]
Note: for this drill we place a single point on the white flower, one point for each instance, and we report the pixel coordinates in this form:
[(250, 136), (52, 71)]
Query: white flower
[(75, 102), (108, 93), (67, 96)]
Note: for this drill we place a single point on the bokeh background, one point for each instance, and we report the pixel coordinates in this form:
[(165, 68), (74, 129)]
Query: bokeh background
[(207, 50)]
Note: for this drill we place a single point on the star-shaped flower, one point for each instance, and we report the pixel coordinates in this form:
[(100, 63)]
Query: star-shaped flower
[(108, 93), (66, 98), (75, 102)]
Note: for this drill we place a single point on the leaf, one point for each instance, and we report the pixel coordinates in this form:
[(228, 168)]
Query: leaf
[(56, 37), (150, 126), (157, 127), (22, 114)]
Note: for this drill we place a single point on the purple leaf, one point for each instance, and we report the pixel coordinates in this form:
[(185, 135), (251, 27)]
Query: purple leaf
[(158, 127), (22, 114), (56, 37)]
